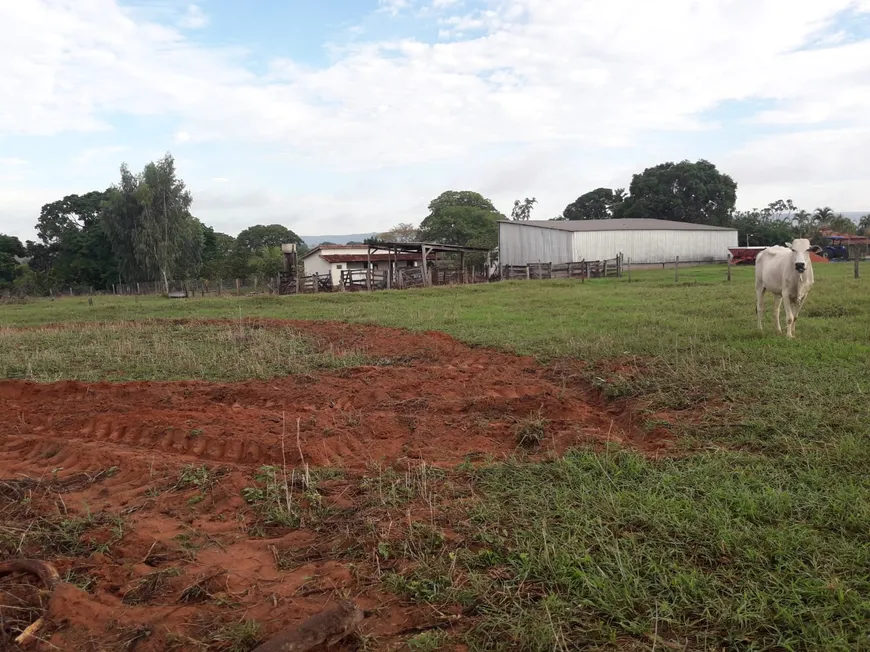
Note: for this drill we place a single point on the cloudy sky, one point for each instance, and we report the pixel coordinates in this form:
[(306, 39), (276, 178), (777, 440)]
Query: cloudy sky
[(337, 116)]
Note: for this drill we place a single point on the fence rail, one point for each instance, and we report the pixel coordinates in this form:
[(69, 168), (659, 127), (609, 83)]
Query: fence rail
[(370, 280)]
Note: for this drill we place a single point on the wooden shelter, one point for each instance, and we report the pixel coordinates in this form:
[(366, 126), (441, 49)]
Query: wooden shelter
[(428, 256)]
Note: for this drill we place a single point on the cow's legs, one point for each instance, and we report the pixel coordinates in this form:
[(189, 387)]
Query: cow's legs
[(759, 305), (789, 316), (777, 305)]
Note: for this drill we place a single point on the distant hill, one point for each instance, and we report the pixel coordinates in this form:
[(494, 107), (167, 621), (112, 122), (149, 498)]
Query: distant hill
[(855, 215), (314, 240)]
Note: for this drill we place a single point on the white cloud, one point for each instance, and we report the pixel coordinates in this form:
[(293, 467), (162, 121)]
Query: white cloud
[(91, 154), (538, 75), (194, 18)]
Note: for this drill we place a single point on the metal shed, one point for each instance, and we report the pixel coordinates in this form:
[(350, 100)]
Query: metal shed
[(642, 241)]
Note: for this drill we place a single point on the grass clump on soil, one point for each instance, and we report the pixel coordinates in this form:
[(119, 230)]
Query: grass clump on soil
[(158, 351)]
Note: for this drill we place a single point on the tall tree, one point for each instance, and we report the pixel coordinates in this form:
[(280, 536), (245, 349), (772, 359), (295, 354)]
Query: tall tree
[(463, 218), (121, 220), (149, 223), (684, 192), (864, 225), (522, 210), (598, 204), (402, 232)]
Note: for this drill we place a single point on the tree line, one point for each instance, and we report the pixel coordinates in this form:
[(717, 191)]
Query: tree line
[(141, 228), (687, 191)]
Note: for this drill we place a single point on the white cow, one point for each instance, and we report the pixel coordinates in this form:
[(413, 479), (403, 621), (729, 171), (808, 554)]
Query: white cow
[(787, 273)]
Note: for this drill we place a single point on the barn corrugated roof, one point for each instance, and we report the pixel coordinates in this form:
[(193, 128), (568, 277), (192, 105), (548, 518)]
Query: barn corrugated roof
[(631, 224)]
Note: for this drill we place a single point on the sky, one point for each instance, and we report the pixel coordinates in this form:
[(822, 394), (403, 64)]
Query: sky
[(349, 116)]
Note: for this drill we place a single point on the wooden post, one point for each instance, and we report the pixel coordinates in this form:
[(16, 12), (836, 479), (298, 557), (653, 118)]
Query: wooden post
[(604, 269), (220, 286), (256, 279), (51, 294), (298, 284), (425, 265), (238, 288), (857, 264), (528, 271), (369, 278), (316, 278), (729, 267), (113, 289), (628, 268), (677, 269)]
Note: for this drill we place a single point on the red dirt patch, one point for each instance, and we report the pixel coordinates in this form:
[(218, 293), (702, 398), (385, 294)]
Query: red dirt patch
[(430, 398)]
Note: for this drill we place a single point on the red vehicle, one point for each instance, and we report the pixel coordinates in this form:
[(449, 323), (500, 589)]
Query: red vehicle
[(744, 255)]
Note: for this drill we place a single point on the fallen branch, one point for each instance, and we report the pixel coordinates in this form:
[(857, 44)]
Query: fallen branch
[(329, 626), (46, 573)]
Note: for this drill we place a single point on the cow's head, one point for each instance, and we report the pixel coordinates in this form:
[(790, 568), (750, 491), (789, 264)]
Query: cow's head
[(801, 248)]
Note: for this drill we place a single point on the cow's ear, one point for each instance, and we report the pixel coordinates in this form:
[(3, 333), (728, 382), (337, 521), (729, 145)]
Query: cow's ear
[(787, 245)]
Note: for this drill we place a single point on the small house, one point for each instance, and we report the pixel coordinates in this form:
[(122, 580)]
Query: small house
[(333, 259)]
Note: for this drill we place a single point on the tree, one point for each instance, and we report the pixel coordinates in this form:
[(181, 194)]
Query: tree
[(842, 224), (684, 192), (761, 228), (253, 241), (522, 210), (267, 263), (258, 237), (822, 215), (864, 225), (74, 249), (803, 223), (217, 253), (462, 218), (150, 226), (598, 204), (10, 249), (402, 232)]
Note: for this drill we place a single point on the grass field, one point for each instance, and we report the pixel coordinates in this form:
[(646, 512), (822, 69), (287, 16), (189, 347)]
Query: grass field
[(756, 536)]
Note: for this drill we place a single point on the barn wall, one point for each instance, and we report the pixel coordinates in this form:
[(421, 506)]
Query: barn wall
[(653, 246), (520, 245), (316, 265)]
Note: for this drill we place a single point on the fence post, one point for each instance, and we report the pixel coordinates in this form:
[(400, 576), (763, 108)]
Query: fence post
[(51, 294), (857, 265), (677, 269), (256, 282), (528, 271), (238, 288), (220, 286), (628, 268), (729, 267)]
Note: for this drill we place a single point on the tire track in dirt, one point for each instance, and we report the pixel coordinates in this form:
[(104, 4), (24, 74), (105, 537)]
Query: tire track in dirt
[(430, 399)]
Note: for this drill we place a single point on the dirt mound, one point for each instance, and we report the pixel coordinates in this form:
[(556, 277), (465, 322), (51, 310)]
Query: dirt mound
[(426, 399)]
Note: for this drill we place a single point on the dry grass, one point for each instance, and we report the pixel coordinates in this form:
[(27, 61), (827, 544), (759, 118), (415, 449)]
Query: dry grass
[(152, 351)]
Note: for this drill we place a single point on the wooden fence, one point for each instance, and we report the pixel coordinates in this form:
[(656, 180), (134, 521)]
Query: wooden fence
[(582, 270)]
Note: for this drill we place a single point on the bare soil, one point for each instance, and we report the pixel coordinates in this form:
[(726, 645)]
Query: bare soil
[(167, 565)]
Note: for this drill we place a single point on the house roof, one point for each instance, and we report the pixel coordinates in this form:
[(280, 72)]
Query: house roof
[(630, 224)]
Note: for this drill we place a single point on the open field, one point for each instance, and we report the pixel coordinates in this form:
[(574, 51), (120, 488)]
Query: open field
[(586, 466)]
